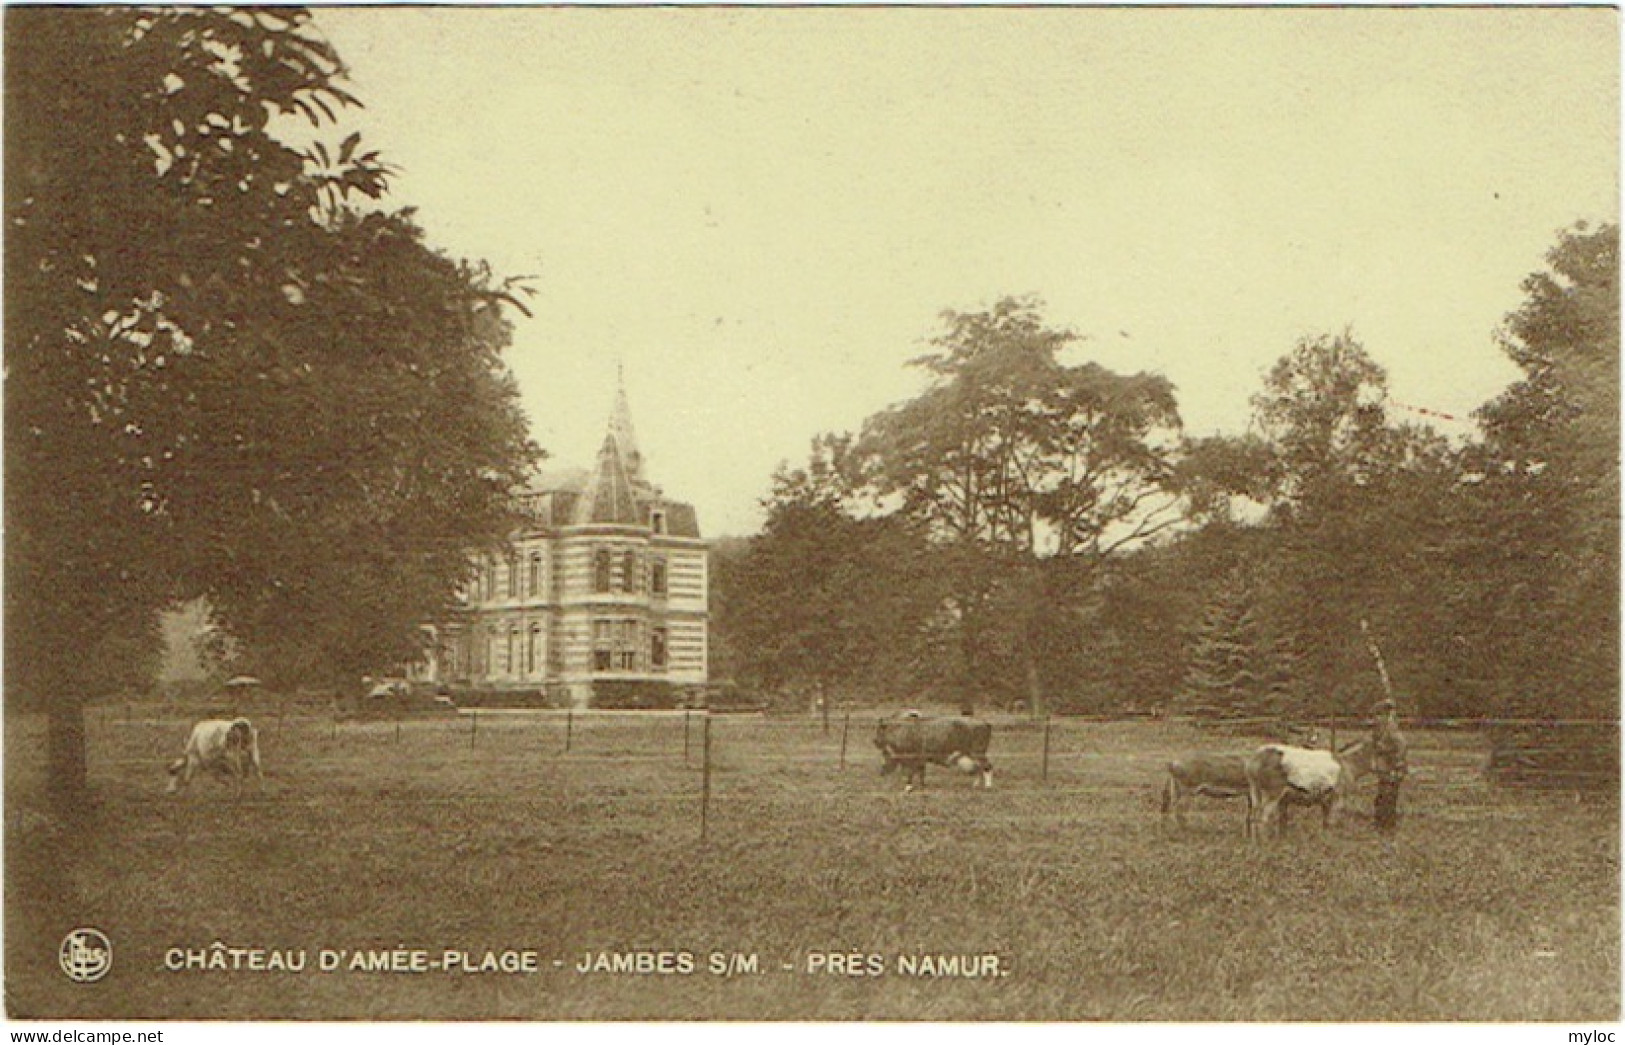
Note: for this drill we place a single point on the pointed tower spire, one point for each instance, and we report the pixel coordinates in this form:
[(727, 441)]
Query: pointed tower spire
[(611, 493), (620, 428)]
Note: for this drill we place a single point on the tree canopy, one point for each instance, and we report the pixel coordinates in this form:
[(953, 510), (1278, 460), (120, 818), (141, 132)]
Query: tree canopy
[(1013, 449), (222, 381), (1486, 567)]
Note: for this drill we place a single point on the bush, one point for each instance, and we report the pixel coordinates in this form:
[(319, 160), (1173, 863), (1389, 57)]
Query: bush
[(635, 694)]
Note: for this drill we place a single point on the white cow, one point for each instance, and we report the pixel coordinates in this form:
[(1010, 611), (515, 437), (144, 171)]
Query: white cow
[(227, 748), (1302, 776)]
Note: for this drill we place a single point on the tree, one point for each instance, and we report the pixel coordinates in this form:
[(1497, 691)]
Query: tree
[(1357, 517), (1012, 449), (1544, 512), (1322, 416), (410, 442), (1235, 668), (1565, 339), (1012, 456), (191, 314), (827, 600), (1214, 473)]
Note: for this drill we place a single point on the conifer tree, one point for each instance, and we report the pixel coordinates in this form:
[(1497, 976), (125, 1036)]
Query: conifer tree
[(1236, 668)]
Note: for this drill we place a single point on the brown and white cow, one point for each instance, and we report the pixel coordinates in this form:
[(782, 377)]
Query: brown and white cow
[(1279, 775), (227, 748), (912, 740)]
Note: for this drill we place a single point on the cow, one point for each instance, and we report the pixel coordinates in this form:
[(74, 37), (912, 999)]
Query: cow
[(1215, 776), (1277, 773), (225, 748), (911, 740)]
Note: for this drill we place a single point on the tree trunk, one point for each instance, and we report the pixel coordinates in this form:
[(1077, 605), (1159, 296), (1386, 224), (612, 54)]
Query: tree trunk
[(1035, 686), (969, 676)]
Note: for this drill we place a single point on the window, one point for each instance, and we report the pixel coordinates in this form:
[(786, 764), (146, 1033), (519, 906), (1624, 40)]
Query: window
[(512, 666), (657, 520), (490, 579), (629, 571), (531, 649), (657, 648), (601, 571), (626, 646), (535, 573), (657, 577), (513, 576), (603, 639), (617, 645)]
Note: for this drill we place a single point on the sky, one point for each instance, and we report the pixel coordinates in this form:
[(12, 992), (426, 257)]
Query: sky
[(759, 216)]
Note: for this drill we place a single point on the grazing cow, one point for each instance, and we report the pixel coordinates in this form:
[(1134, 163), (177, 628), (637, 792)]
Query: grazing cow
[(1216, 776), (911, 740), (1278, 774), (226, 748)]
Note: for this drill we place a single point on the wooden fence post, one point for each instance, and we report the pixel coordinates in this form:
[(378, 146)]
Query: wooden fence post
[(686, 715), (397, 731), (474, 727), (705, 779), (846, 724), (569, 727), (1044, 773)]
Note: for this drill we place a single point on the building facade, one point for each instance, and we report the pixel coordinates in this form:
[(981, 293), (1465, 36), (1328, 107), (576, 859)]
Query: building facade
[(602, 599)]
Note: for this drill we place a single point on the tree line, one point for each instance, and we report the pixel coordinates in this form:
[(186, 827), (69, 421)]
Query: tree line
[(1028, 533)]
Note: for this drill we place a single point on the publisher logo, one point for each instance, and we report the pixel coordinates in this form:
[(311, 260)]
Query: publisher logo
[(86, 955)]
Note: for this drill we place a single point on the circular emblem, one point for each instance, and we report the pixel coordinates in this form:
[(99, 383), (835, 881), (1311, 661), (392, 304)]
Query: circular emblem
[(86, 955)]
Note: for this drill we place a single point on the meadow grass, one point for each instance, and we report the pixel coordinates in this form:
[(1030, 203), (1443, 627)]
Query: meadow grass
[(1487, 906)]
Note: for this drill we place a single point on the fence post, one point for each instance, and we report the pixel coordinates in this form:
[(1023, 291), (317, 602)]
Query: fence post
[(569, 727), (846, 724), (474, 727), (1044, 773), (705, 779), (686, 716), (397, 731)]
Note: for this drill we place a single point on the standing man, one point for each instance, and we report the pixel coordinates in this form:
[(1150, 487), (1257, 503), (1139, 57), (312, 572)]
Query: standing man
[(1388, 763)]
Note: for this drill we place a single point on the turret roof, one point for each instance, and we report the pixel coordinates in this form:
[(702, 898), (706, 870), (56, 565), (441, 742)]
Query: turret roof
[(615, 492)]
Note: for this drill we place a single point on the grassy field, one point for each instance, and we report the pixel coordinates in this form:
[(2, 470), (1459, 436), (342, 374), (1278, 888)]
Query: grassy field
[(1488, 905)]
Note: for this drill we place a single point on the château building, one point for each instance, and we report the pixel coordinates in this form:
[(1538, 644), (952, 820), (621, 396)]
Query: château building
[(602, 600)]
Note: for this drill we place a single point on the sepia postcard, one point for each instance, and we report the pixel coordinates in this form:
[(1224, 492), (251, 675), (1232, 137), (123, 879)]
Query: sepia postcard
[(770, 516)]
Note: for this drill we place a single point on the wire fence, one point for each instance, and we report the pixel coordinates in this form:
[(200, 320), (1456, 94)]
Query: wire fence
[(846, 731), (1061, 755)]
